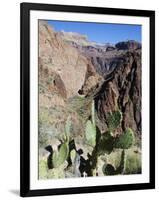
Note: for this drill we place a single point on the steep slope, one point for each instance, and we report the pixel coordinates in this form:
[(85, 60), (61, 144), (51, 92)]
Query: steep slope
[(59, 58), (120, 90)]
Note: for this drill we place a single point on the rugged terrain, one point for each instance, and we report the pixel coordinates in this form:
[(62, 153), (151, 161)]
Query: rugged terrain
[(73, 72), (120, 66)]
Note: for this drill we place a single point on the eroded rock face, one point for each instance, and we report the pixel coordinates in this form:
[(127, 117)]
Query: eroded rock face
[(121, 89), (61, 59), (104, 57)]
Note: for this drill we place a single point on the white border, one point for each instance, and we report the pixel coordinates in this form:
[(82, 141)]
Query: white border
[(89, 181)]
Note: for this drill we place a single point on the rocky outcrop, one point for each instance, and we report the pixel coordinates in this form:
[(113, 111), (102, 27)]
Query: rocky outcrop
[(75, 38), (80, 41), (110, 48), (128, 45), (105, 65)]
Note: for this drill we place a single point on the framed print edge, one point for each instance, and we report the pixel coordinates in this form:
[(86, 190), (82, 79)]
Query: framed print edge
[(24, 106), (25, 189), (152, 99)]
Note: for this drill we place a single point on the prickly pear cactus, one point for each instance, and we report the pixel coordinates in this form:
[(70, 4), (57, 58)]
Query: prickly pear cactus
[(108, 170), (106, 143), (90, 131), (73, 155), (93, 113), (68, 128), (121, 169), (58, 172), (114, 119), (90, 134), (60, 156), (125, 141)]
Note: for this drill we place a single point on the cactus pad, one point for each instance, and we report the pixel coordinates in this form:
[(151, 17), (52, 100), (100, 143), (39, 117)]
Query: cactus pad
[(90, 134), (125, 140), (60, 156), (106, 143), (108, 169)]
